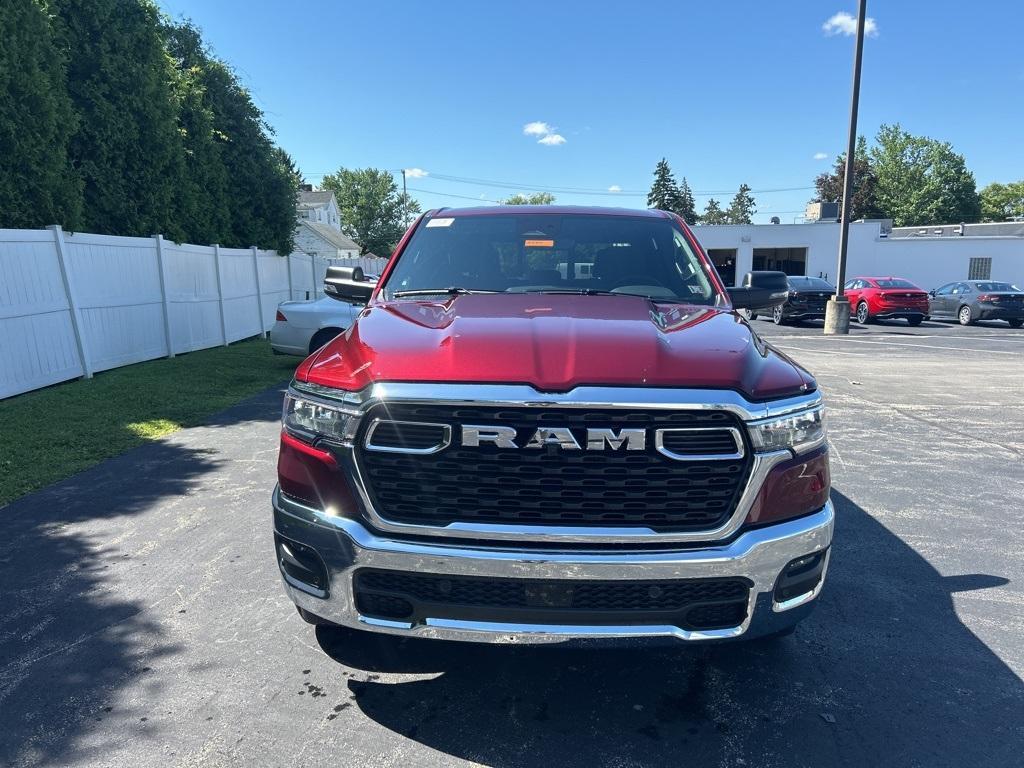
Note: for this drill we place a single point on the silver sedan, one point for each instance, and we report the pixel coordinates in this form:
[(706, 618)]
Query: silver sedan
[(302, 327)]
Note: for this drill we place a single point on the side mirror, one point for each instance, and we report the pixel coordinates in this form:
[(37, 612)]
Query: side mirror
[(760, 290), (347, 284), (931, 292)]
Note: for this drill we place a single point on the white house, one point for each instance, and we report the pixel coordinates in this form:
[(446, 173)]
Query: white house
[(928, 256), (318, 227)]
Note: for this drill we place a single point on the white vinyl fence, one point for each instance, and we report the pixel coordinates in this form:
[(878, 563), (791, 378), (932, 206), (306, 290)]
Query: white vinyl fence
[(75, 304)]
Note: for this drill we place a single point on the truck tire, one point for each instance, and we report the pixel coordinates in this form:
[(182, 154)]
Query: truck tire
[(1016, 323), (777, 317)]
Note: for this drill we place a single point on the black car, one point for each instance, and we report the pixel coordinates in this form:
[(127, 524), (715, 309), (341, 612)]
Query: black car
[(806, 301), (971, 300)]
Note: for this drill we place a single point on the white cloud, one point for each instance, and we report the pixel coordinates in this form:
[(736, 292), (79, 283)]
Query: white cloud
[(415, 173), (537, 128), (845, 24), (614, 188), (545, 132), (821, 155), (552, 139)]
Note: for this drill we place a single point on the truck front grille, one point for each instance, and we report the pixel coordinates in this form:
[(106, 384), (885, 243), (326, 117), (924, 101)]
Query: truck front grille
[(693, 604), (553, 486)]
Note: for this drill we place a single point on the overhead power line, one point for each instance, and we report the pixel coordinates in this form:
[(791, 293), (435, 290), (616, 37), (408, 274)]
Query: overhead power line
[(488, 200), (568, 190)]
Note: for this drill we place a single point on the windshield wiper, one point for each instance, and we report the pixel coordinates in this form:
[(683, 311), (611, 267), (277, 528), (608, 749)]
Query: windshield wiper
[(452, 291), (600, 292)]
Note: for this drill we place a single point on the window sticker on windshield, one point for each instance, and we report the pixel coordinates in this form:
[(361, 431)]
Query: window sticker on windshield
[(440, 222), (695, 289), (539, 244)]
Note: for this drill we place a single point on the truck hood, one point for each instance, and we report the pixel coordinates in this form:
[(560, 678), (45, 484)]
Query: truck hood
[(555, 343)]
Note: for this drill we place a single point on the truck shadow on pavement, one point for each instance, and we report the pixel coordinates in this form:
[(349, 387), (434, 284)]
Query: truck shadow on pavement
[(884, 673), (74, 633)]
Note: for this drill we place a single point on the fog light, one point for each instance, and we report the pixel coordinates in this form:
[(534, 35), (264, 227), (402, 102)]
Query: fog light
[(301, 566), (800, 576)]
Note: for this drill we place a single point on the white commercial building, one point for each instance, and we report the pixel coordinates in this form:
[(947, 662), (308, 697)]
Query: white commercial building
[(927, 256)]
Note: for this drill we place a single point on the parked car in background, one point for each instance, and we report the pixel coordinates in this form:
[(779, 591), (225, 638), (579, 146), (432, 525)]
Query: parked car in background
[(886, 298), (302, 327), (806, 300), (971, 300)]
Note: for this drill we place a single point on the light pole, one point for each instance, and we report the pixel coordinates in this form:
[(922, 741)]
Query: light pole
[(837, 311), (405, 202)]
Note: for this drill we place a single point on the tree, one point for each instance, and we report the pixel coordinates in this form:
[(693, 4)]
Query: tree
[(38, 184), (370, 205), (664, 194), (713, 213), (685, 205), (127, 146), (537, 198), (863, 198), (1000, 202), (204, 205), (922, 181), (742, 208)]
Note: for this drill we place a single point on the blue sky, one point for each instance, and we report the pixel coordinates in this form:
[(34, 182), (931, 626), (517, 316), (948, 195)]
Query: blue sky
[(728, 92)]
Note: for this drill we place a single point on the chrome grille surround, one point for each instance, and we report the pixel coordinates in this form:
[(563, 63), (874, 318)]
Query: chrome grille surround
[(513, 395)]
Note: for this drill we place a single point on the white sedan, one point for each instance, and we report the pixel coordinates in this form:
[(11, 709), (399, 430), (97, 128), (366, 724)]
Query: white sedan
[(302, 327)]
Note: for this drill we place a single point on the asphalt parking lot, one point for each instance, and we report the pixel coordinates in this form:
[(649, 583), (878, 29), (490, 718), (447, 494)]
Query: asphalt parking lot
[(144, 623)]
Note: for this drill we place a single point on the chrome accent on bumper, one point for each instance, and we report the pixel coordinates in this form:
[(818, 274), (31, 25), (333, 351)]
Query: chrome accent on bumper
[(345, 545)]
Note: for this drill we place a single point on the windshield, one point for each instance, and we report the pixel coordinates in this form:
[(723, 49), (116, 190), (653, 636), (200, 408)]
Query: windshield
[(536, 253), (814, 283), (996, 287), (895, 283)]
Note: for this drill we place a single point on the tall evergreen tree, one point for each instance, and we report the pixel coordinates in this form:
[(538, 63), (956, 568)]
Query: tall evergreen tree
[(38, 184), (685, 205), (664, 193), (713, 213), (204, 197), (742, 208), (261, 204), (127, 147)]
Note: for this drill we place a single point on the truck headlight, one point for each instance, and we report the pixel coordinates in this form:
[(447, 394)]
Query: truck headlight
[(798, 432), (312, 419)]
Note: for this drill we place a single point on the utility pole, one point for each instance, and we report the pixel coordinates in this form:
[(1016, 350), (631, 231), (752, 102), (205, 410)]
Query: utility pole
[(405, 202), (837, 311)]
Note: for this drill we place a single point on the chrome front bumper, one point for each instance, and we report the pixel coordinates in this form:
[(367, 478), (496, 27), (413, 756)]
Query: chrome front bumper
[(345, 545)]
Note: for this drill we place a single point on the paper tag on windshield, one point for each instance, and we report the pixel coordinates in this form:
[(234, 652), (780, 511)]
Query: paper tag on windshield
[(440, 222)]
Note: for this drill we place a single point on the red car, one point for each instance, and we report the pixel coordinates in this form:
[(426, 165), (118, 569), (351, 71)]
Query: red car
[(884, 298)]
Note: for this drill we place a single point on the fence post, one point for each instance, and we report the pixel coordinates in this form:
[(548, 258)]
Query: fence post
[(312, 264), (76, 315), (220, 294), (288, 263), (259, 291), (163, 292)]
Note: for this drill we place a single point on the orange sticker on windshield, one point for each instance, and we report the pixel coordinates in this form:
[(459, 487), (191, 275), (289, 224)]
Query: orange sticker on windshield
[(539, 244)]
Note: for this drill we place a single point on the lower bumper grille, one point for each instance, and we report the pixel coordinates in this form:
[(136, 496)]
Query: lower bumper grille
[(692, 604)]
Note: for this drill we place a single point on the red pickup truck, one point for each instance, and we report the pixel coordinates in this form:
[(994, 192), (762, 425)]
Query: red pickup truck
[(550, 424)]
